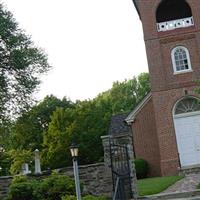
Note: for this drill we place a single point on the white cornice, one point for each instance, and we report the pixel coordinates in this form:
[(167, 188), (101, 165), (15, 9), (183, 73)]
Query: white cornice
[(131, 117)]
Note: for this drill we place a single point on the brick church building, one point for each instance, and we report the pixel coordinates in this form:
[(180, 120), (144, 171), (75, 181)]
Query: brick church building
[(166, 124)]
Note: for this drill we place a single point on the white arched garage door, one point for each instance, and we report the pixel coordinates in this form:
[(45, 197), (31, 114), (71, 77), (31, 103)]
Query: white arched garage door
[(187, 128)]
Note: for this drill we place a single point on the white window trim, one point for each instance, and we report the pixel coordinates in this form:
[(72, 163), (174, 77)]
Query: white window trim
[(186, 114), (174, 62), (183, 71)]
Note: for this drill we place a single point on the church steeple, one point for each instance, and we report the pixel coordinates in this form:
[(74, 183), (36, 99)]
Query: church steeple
[(172, 38)]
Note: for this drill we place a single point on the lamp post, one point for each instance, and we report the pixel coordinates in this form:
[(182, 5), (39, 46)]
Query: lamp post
[(74, 154)]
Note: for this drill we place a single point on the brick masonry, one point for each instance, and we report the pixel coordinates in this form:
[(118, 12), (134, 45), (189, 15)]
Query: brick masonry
[(153, 129), (145, 138)]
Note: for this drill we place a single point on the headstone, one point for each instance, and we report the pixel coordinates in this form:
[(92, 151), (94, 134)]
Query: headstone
[(37, 162), (25, 169)]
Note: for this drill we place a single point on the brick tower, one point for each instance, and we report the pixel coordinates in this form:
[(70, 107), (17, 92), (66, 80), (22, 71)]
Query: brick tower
[(172, 38)]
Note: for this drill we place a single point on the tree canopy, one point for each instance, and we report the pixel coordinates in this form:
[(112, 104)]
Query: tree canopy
[(28, 130), (54, 124), (21, 64)]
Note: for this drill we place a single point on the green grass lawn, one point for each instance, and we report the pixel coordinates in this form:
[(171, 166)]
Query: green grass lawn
[(198, 186), (156, 185)]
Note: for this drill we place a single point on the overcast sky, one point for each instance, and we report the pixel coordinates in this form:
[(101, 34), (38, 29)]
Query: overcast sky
[(90, 43)]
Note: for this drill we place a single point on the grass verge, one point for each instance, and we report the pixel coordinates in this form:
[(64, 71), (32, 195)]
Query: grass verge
[(156, 185)]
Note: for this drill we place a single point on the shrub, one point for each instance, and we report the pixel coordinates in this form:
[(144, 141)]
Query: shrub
[(22, 189), (56, 186), (69, 197), (5, 161), (141, 167), (19, 179), (88, 197), (50, 188)]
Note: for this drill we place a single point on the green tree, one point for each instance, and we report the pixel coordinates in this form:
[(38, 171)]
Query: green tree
[(83, 125), (124, 96), (22, 63), (91, 121), (18, 158), (53, 124), (57, 140), (27, 132), (143, 86), (88, 120), (92, 117)]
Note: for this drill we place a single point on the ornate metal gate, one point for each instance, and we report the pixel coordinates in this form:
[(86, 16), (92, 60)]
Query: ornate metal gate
[(121, 173)]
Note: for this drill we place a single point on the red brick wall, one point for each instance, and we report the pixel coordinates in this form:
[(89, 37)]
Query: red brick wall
[(164, 102), (147, 13), (145, 138), (167, 88), (160, 63), (160, 44)]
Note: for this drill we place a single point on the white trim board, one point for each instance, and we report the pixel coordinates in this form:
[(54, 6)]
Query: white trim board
[(137, 109)]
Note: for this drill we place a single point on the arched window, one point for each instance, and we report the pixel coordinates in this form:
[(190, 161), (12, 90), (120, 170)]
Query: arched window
[(186, 105), (181, 59)]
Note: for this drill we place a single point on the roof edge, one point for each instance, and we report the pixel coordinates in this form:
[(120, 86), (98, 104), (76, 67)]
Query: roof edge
[(137, 109), (136, 6)]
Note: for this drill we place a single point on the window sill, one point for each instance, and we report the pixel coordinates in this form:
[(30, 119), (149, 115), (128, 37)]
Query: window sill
[(183, 72)]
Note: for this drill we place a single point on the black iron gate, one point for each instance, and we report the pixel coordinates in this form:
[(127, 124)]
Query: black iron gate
[(121, 173)]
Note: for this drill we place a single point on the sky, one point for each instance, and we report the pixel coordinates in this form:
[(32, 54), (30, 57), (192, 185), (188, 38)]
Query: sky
[(89, 43)]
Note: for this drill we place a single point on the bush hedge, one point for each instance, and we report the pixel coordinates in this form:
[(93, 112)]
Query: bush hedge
[(88, 197), (141, 167), (50, 188), (22, 189), (54, 187)]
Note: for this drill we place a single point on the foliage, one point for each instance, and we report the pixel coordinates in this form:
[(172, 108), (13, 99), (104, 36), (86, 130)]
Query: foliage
[(19, 179), (156, 185), (88, 120), (57, 140), (22, 189), (5, 163), (88, 197), (124, 96), (56, 186), (18, 158), (21, 66), (5, 133), (52, 125), (50, 188), (28, 130), (91, 120), (69, 197), (141, 167)]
